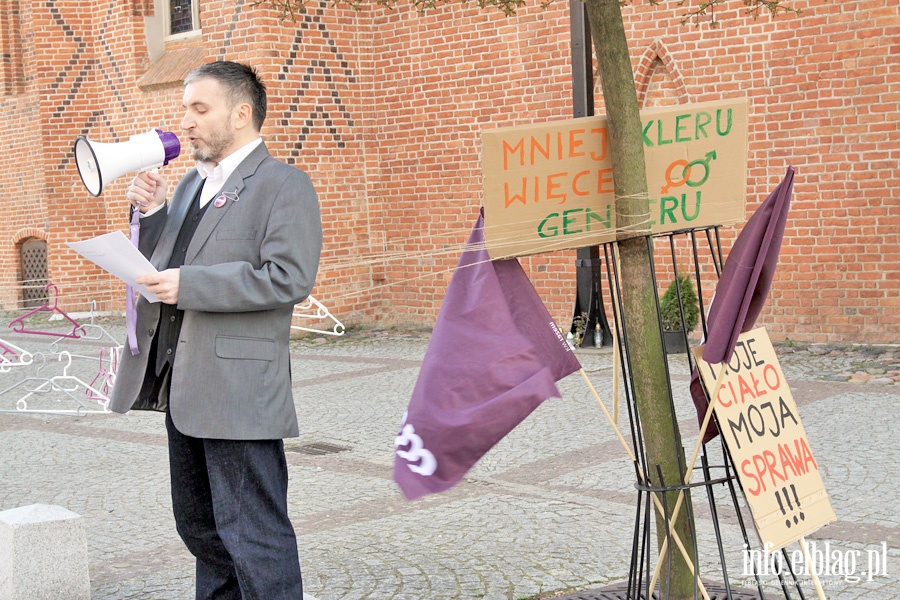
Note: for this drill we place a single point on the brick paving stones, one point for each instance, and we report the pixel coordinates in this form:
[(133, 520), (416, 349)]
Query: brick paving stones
[(549, 508)]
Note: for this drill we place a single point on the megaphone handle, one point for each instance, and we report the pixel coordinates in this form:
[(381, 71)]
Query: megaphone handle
[(154, 170)]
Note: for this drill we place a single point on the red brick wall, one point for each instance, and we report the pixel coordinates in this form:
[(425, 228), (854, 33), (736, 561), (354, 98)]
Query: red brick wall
[(22, 177), (384, 109), (440, 80), (825, 91)]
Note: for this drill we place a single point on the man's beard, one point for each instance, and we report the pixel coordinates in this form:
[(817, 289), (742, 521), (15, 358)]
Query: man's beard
[(216, 143)]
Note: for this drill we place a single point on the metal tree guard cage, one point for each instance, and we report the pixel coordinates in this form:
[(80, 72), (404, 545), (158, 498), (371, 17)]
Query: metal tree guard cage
[(716, 466)]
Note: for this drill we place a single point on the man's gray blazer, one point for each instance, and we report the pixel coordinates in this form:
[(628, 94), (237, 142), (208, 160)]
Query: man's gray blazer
[(249, 262)]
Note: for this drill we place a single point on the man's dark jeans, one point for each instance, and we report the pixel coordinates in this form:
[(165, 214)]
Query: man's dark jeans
[(230, 503)]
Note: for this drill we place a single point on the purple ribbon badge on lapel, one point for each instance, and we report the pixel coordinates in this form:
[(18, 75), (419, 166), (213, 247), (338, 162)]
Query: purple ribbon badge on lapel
[(222, 198)]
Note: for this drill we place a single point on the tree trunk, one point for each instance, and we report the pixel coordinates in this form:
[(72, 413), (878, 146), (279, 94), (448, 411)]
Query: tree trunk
[(659, 429)]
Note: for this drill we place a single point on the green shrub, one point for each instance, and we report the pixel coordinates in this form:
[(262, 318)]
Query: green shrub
[(670, 311)]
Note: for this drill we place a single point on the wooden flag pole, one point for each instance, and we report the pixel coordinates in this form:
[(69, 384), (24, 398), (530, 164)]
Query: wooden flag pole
[(812, 570), (656, 501), (615, 381), (614, 420), (687, 475)]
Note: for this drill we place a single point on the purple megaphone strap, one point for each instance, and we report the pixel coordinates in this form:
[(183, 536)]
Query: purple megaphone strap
[(170, 143), (130, 308)]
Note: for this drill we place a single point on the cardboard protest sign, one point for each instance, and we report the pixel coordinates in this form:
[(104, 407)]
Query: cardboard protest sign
[(761, 425), (549, 186)]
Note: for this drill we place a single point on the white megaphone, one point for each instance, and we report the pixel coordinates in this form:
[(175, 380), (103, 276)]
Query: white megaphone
[(98, 164)]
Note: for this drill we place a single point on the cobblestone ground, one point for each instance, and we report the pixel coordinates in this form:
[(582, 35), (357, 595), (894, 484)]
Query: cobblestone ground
[(550, 508)]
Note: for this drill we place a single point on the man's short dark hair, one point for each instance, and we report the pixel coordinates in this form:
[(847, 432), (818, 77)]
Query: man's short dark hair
[(242, 82)]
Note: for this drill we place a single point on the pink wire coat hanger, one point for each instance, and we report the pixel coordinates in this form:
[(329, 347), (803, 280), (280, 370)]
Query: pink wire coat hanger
[(18, 324), (7, 351), (105, 377)]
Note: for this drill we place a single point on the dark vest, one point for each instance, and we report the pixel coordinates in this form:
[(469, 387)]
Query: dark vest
[(170, 318)]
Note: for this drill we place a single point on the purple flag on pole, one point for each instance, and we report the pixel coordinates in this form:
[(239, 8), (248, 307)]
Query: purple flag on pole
[(744, 285), (495, 354)]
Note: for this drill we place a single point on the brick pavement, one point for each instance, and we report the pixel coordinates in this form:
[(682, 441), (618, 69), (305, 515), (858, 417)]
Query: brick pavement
[(550, 508)]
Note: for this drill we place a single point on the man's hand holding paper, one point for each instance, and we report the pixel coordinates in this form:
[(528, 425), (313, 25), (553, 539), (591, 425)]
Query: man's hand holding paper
[(113, 252), (163, 284)]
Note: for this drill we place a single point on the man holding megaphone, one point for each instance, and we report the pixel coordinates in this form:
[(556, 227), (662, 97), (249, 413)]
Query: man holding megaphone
[(236, 248)]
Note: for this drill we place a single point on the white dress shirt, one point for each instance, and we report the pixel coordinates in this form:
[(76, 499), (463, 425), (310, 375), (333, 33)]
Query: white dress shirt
[(214, 176)]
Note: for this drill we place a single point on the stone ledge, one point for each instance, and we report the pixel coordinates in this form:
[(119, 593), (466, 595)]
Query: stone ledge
[(172, 67)]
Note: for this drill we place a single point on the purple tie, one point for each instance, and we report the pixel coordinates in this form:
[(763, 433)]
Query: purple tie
[(130, 308)]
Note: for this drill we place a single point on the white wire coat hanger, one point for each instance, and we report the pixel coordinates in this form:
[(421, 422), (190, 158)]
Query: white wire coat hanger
[(13, 356), (89, 400), (97, 333), (320, 312)]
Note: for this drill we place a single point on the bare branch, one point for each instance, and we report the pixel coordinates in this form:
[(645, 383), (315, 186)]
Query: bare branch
[(705, 11), (290, 10)]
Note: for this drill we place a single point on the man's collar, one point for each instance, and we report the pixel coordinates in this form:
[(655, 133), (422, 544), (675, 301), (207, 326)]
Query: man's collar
[(229, 163), (205, 168)]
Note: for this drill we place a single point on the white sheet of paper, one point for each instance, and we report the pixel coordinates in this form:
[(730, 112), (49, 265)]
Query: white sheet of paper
[(115, 253)]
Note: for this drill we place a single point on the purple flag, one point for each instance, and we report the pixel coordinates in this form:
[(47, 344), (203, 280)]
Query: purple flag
[(495, 354), (744, 285)]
